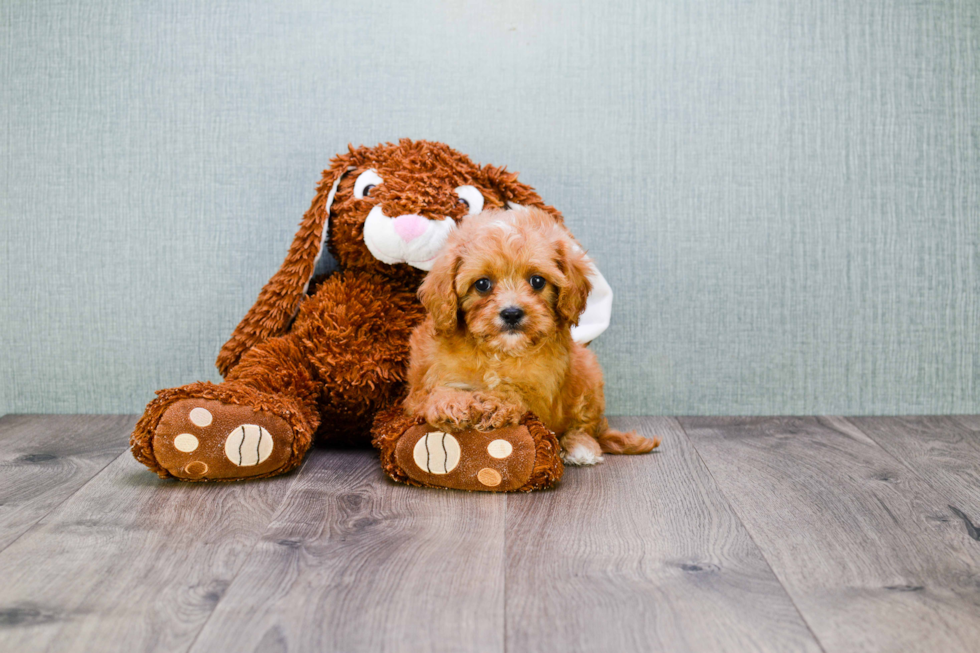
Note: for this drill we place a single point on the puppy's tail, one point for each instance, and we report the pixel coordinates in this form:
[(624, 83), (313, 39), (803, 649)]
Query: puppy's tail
[(626, 443)]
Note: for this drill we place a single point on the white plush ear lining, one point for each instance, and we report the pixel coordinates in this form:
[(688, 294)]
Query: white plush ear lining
[(598, 309), (321, 264)]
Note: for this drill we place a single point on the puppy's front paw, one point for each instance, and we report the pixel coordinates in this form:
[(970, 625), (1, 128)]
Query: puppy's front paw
[(449, 414), (446, 420), (491, 413)]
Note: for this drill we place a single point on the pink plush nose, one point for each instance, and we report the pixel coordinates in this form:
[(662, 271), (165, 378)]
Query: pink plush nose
[(410, 227)]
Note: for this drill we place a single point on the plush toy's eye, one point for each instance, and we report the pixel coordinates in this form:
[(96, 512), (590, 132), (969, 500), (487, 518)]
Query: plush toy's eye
[(537, 282), (483, 285), (472, 198), (366, 181)]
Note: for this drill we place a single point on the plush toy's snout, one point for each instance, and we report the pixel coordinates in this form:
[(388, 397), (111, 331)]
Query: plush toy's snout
[(408, 238)]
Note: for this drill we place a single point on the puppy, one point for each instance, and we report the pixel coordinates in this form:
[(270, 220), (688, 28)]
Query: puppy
[(502, 298)]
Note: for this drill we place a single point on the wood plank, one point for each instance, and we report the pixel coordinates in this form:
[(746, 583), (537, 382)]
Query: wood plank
[(943, 451), (971, 422), (45, 459), (130, 562), (642, 554), (866, 548), (354, 562)]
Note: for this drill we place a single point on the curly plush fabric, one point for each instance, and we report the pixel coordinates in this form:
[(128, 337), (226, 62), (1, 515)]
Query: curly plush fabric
[(326, 357)]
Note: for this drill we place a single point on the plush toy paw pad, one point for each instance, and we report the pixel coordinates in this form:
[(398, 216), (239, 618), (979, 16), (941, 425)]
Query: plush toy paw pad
[(500, 448), (196, 469), (248, 445), (202, 439), (437, 453), (201, 416), (489, 477), (498, 460), (186, 442)]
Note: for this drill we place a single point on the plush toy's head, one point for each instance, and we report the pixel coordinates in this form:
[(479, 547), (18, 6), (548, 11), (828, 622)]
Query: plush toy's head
[(386, 209), (396, 204)]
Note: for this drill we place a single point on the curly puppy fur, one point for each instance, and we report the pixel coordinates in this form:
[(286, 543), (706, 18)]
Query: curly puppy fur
[(502, 298)]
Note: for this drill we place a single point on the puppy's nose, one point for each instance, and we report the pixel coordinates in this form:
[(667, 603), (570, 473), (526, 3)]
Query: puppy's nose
[(511, 315), (410, 226)]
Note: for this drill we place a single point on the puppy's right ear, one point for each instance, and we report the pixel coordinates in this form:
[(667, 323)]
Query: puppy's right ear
[(438, 292)]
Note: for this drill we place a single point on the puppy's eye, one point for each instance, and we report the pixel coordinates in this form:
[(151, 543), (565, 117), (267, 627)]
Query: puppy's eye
[(483, 285), (471, 198), (537, 282), (366, 182)]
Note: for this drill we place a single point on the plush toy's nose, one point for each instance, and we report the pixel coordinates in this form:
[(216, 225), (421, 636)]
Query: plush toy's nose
[(410, 226)]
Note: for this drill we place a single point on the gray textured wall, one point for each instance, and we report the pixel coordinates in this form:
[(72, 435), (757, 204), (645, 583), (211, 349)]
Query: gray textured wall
[(785, 194)]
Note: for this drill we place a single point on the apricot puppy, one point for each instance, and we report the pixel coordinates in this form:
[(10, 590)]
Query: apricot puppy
[(502, 298)]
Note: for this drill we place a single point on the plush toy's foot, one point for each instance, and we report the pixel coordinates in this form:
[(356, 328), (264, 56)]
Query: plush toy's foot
[(522, 457), (205, 432)]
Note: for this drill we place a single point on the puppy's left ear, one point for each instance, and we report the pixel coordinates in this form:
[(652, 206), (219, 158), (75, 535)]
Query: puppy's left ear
[(438, 292), (573, 293)]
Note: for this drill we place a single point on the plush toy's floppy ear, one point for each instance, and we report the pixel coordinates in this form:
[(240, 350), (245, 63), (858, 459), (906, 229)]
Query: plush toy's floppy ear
[(574, 291), (280, 298), (598, 309), (438, 292)]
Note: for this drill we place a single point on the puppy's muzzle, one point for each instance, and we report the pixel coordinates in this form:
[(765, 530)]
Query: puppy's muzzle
[(512, 317)]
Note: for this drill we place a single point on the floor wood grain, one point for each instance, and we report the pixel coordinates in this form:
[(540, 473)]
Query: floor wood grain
[(354, 562), (864, 546), (741, 534), (43, 461), (642, 554), (129, 562), (943, 451)]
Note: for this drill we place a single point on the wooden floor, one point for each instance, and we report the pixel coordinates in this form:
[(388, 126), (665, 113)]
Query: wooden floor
[(741, 534)]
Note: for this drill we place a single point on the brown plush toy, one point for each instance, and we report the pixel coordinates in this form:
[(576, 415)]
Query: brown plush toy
[(324, 357)]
